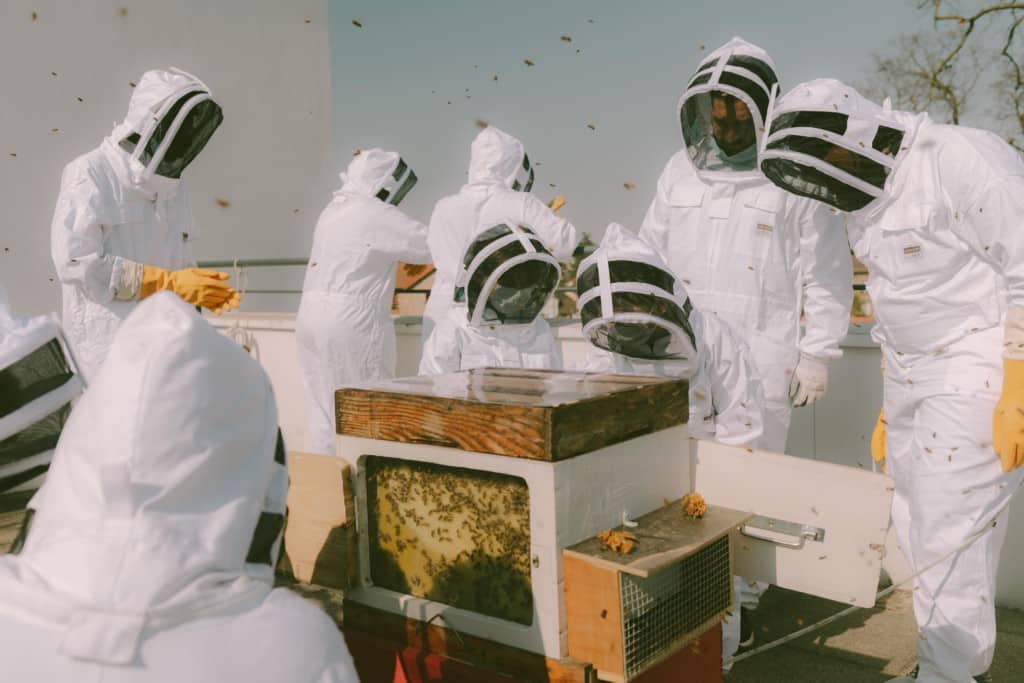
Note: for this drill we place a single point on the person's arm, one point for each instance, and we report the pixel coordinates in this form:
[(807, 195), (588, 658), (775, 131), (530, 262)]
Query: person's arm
[(655, 226), (76, 238), (827, 278), (441, 351), (403, 237), (557, 234), (986, 186)]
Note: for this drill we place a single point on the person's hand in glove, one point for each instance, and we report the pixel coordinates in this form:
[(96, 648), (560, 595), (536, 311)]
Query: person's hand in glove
[(878, 440), (810, 379), (1008, 419), (197, 286)]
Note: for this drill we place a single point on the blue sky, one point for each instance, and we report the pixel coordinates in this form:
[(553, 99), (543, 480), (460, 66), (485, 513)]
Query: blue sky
[(394, 77)]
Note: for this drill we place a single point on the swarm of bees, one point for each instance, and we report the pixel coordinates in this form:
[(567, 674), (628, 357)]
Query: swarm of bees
[(453, 535), (621, 542)]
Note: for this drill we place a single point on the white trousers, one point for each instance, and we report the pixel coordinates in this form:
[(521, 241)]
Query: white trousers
[(949, 485)]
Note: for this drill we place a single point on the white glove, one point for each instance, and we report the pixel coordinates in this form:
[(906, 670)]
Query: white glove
[(810, 379)]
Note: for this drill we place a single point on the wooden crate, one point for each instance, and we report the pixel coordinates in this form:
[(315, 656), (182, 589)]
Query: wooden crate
[(628, 613), (538, 414), (320, 534)]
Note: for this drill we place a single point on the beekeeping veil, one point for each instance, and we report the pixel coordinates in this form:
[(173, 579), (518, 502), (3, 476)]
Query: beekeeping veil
[(630, 303), (37, 384), (829, 143), (508, 275)]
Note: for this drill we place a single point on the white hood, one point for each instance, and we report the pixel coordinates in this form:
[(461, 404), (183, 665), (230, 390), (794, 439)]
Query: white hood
[(650, 293), (155, 92), (815, 111), (739, 69), (162, 473), (376, 172), (495, 158)]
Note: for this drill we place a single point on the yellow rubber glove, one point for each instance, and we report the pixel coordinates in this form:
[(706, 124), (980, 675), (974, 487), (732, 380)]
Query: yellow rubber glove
[(197, 286), (1008, 420), (878, 440)]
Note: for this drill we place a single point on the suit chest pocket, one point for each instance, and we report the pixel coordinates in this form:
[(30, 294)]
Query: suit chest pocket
[(913, 247)]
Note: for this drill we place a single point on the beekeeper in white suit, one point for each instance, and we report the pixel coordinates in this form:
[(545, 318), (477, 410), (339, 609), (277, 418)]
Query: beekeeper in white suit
[(507, 277), (746, 251), (639, 320), (936, 213), (37, 384), (149, 553), (344, 328), (123, 226), (497, 191)]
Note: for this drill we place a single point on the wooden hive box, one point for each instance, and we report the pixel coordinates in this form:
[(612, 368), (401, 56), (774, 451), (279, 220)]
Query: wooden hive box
[(538, 414), (627, 613), (469, 485)]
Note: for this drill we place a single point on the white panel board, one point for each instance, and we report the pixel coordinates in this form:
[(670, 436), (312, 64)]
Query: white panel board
[(851, 506)]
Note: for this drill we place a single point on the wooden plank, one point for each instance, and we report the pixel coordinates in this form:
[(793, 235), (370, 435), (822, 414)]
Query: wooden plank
[(319, 536), (501, 429), (541, 415), (479, 653), (595, 423), (663, 537), (593, 614)]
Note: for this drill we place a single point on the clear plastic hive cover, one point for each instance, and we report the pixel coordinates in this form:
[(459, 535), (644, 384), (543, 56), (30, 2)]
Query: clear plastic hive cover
[(452, 535)]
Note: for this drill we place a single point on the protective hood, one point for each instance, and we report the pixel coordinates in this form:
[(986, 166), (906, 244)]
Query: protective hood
[(723, 110), (37, 384), (497, 158), (378, 173), (166, 497), (630, 303), (829, 143), (508, 275), (171, 116)]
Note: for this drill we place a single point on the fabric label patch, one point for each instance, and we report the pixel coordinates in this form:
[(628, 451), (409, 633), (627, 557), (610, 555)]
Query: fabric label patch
[(763, 227), (912, 251)]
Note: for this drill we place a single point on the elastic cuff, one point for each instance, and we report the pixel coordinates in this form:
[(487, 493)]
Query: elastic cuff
[(1013, 335), (127, 279)]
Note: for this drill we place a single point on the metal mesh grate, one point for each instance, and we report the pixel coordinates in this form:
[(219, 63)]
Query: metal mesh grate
[(667, 607)]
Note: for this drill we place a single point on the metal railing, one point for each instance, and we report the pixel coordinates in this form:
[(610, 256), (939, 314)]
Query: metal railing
[(278, 262)]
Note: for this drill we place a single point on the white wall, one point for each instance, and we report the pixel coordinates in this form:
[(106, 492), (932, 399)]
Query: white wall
[(836, 429), (267, 67)]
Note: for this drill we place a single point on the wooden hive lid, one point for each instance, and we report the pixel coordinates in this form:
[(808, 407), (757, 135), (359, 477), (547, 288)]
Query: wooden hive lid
[(539, 414)]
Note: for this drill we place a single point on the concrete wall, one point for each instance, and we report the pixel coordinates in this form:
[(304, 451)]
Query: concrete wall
[(836, 429), (69, 69)]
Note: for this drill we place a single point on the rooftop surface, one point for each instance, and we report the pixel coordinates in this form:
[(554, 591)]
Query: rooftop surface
[(868, 646)]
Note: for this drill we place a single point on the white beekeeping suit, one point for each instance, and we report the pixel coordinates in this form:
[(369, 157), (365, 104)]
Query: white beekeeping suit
[(936, 213), (123, 225), (497, 191), (745, 250), (639, 321), (507, 277), (37, 385), (148, 554), (344, 328)]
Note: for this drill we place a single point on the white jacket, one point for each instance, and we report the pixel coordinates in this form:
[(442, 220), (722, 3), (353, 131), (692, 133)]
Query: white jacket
[(110, 213), (344, 328), (456, 345), (487, 199), (726, 399), (150, 553)]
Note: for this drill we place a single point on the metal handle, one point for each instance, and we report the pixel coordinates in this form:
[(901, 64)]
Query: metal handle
[(765, 528), (766, 536)]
